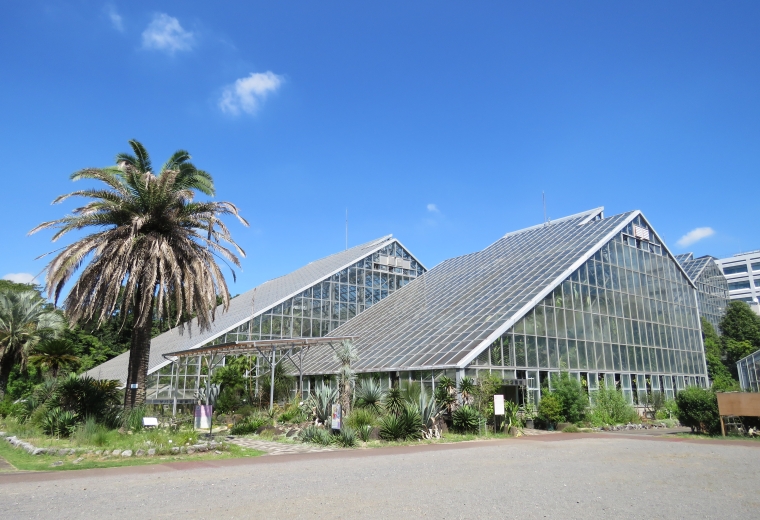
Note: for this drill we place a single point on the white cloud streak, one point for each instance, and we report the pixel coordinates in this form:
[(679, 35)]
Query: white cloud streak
[(247, 94), (20, 278), (695, 235), (432, 208), (164, 33), (115, 17)]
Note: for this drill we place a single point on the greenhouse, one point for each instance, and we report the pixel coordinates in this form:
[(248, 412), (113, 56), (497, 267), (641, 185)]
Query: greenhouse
[(309, 302), (712, 287), (601, 297)]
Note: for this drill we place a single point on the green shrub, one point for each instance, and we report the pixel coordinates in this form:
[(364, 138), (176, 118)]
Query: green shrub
[(360, 417), (8, 407), (406, 425), (669, 410), (573, 399), (90, 433), (611, 407), (346, 438), (698, 409), (571, 429), (250, 425), (550, 408), (315, 435), (133, 419), (466, 419)]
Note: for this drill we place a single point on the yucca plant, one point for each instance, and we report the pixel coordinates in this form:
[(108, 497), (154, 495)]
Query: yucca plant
[(467, 389), (370, 395), (394, 401)]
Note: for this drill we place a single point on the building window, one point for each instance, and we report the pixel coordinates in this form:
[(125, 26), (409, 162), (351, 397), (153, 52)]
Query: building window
[(734, 269), (756, 266), (736, 286)]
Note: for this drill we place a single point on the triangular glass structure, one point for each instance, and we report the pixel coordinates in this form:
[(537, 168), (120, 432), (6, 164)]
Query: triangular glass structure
[(585, 293)]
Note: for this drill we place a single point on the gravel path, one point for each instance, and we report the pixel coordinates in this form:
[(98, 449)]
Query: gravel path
[(552, 476)]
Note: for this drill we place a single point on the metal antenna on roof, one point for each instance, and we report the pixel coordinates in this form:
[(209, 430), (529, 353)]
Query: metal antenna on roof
[(543, 198), (346, 228)]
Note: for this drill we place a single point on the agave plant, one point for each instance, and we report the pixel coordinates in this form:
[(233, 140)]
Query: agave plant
[(59, 422), (406, 425), (370, 395), (321, 402), (429, 409)]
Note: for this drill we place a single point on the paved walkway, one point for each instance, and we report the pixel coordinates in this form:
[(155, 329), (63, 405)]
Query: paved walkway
[(554, 476), (279, 448)]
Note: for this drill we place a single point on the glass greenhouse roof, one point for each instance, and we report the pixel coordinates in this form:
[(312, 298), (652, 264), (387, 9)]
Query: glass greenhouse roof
[(693, 266), (242, 308), (450, 314)]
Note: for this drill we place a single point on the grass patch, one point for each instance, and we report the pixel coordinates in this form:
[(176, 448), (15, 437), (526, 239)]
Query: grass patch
[(23, 461), (717, 437)]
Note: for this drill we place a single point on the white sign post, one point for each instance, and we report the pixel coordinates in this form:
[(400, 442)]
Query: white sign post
[(498, 412), (498, 405)]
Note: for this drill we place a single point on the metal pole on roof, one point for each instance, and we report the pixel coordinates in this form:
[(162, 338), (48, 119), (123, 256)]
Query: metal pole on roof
[(271, 386)]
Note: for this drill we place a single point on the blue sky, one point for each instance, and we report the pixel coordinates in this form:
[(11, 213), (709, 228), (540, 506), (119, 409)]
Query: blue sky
[(440, 122)]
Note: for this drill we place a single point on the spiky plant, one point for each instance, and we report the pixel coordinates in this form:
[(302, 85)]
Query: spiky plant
[(467, 389), (369, 394), (321, 401), (152, 253), (394, 401), (25, 320)]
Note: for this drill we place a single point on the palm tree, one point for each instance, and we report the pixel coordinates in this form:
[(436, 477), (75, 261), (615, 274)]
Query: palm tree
[(53, 355), (25, 320), (152, 255)]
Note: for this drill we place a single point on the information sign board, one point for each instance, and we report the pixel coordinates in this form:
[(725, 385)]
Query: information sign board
[(498, 405)]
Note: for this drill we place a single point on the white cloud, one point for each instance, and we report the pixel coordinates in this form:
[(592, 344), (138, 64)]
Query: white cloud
[(247, 94), (695, 235), (432, 208), (115, 17), (20, 278), (164, 33)]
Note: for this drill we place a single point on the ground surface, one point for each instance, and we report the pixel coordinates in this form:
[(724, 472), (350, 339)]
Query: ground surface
[(560, 476)]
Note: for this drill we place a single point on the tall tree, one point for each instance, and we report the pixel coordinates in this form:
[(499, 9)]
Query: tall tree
[(25, 320), (153, 254), (740, 323)]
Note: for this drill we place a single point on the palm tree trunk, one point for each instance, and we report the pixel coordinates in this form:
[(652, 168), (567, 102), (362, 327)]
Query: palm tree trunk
[(6, 365), (139, 354)]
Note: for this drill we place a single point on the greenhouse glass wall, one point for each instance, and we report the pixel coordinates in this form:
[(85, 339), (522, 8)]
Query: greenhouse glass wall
[(602, 298)]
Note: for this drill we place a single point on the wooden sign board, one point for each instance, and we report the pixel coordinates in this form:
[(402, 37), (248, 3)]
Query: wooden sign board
[(743, 404)]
